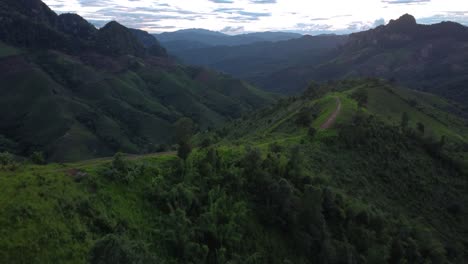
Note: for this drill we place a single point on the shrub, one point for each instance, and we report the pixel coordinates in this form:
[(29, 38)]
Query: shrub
[(123, 171), (275, 147), (38, 158), (5, 158), (304, 118), (118, 162), (312, 131), (361, 97)]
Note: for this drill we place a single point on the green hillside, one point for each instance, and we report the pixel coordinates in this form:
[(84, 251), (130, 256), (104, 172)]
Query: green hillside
[(72, 110), (383, 100), (272, 187)]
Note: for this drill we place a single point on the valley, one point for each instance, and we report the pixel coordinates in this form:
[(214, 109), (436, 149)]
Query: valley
[(123, 146)]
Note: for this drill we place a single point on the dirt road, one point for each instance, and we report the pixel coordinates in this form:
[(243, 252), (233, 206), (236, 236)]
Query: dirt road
[(331, 120)]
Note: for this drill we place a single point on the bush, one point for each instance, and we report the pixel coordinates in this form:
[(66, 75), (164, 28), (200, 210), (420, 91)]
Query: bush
[(5, 158), (7, 162), (312, 131), (123, 171), (37, 158), (304, 118), (361, 97), (275, 147)]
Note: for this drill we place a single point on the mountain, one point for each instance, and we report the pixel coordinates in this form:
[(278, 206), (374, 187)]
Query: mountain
[(256, 62), (190, 38), (150, 43), (76, 92), (275, 186), (430, 58)]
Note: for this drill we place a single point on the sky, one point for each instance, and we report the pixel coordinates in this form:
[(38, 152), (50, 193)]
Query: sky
[(242, 16)]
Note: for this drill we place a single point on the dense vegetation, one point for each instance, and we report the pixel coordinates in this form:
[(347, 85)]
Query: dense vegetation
[(366, 191)]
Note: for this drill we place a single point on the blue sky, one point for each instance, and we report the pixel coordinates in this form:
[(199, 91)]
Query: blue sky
[(240, 16)]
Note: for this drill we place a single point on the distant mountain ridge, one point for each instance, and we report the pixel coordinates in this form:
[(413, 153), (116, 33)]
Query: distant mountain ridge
[(431, 58), (179, 40)]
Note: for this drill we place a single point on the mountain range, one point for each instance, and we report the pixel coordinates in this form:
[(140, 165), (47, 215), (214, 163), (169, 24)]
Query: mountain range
[(114, 152), (202, 38), (75, 92), (424, 57)]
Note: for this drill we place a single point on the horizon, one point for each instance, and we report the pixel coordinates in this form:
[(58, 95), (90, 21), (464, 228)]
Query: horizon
[(249, 16)]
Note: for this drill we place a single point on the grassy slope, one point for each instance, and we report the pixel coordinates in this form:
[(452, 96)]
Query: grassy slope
[(49, 215), (384, 101)]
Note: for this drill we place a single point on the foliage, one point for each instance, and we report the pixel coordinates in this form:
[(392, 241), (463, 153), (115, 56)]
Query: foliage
[(7, 162), (184, 150), (361, 97), (119, 250), (37, 157)]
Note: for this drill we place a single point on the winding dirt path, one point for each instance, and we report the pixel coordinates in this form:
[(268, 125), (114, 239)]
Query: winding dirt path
[(331, 120)]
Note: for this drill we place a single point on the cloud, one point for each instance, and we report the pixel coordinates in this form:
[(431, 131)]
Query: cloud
[(379, 22), (222, 1), (233, 30), (263, 1), (253, 14), (454, 16), (260, 15), (398, 2)]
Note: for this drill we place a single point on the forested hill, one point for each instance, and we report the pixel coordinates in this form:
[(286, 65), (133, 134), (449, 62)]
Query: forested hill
[(385, 182), (75, 92)]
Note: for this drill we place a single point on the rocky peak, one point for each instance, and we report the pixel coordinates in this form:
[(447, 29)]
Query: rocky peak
[(403, 23), (77, 26), (35, 10), (115, 39)]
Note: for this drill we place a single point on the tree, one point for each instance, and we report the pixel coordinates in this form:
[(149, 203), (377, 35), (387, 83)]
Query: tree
[(421, 128), (184, 150), (312, 90), (361, 97), (38, 158), (184, 129), (442, 142), (5, 158), (118, 162), (312, 131), (404, 120), (304, 117), (116, 249)]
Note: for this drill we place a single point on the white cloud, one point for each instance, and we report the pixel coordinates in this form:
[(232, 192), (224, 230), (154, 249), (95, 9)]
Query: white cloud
[(292, 15)]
